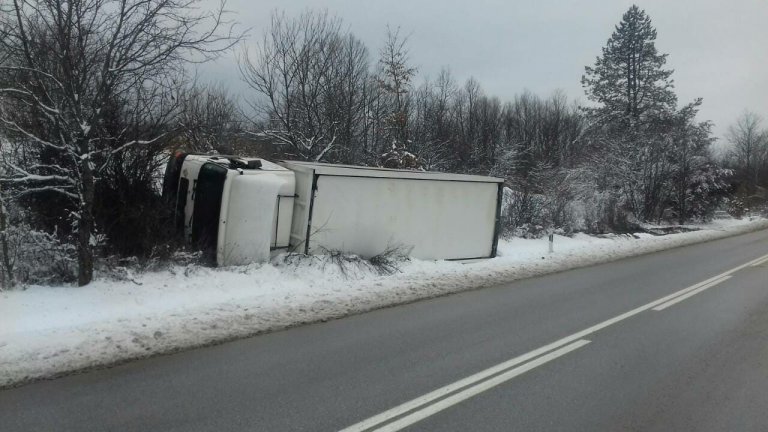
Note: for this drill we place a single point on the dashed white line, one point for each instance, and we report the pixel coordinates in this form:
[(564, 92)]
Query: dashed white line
[(701, 288)]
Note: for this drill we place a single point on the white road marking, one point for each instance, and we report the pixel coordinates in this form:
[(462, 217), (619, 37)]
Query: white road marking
[(450, 388), (701, 288), (473, 379), (478, 388), (761, 262)]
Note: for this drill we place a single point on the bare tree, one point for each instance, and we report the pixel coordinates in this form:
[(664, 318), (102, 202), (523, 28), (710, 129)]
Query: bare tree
[(431, 128), (749, 148), (68, 62), (209, 119), (395, 82), (309, 76)]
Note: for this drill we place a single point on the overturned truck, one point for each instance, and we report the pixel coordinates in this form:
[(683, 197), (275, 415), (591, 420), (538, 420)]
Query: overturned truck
[(242, 210)]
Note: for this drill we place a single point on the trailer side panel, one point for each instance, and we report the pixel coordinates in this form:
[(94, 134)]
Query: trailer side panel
[(437, 219)]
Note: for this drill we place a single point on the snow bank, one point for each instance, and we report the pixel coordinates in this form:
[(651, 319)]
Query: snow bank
[(48, 331)]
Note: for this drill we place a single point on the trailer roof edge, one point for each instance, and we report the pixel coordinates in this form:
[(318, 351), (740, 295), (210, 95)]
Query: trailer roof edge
[(361, 171)]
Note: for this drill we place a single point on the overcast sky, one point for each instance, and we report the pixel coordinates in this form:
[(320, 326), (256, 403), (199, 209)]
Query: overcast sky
[(718, 49)]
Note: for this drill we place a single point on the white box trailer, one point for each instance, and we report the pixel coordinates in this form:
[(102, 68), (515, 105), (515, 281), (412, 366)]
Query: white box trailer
[(236, 210), (365, 211)]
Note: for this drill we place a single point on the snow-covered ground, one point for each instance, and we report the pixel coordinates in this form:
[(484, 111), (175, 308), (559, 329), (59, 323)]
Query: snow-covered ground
[(46, 331)]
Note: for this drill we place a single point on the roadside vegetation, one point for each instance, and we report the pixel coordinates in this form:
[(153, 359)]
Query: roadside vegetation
[(95, 94)]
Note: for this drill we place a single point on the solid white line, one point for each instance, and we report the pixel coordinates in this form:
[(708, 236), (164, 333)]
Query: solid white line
[(690, 294), (478, 388), (761, 262), (450, 388)]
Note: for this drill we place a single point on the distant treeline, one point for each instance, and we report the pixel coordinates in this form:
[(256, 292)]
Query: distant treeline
[(95, 94)]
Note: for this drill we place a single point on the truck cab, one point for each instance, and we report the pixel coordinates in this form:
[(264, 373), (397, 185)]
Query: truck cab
[(235, 210)]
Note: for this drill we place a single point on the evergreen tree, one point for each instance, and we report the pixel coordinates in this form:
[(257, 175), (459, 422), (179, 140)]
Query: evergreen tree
[(647, 150), (629, 81)]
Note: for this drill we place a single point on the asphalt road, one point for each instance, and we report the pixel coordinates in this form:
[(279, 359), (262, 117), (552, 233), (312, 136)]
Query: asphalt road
[(630, 345)]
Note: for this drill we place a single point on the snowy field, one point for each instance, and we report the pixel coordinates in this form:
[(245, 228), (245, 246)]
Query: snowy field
[(48, 331)]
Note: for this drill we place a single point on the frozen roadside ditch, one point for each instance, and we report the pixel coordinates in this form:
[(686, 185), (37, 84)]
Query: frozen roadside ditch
[(48, 331)]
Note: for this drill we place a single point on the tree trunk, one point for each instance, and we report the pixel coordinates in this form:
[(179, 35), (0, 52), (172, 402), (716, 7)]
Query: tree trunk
[(85, 226), (7, 271)]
